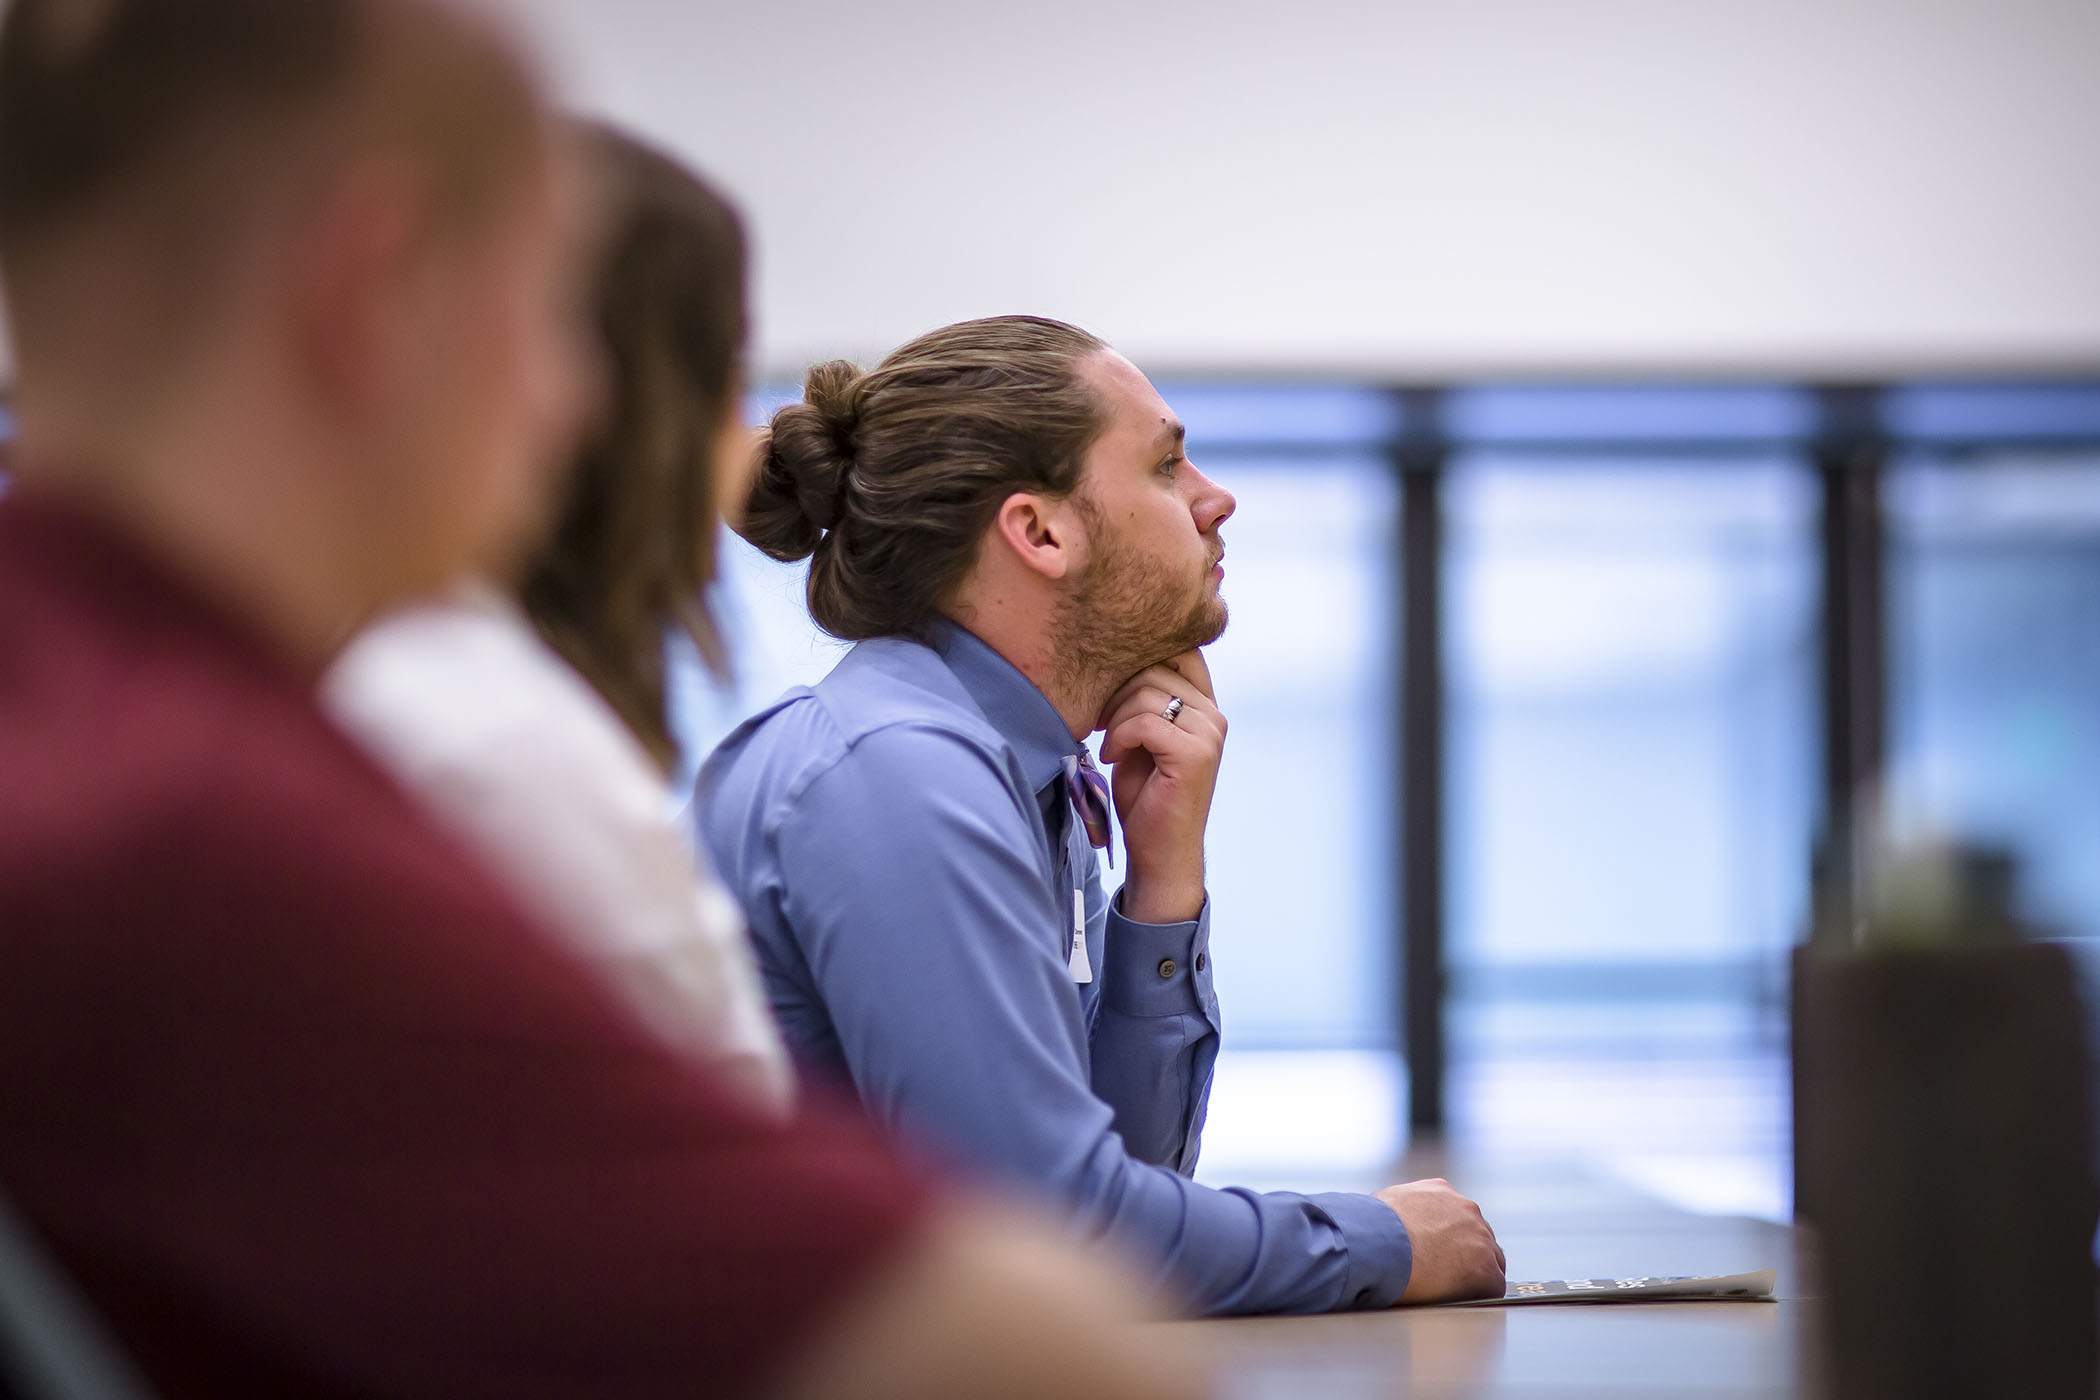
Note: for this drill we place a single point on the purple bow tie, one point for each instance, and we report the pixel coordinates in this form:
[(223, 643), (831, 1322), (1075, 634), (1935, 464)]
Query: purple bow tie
[(1088, 789)]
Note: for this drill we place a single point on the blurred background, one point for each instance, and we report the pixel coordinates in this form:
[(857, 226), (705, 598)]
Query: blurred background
[(1651, 420)]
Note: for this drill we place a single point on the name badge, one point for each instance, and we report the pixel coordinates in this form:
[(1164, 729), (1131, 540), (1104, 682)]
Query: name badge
[(1082, 970)]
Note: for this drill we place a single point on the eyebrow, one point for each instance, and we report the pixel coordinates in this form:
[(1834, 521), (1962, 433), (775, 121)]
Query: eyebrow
[(1173, 432)]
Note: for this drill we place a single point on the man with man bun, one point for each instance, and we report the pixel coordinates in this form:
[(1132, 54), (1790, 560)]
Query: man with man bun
[(1002, 516), (288, 1088)]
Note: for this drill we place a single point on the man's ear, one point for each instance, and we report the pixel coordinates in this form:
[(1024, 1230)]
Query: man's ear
[(1041, 533), (350, 266)]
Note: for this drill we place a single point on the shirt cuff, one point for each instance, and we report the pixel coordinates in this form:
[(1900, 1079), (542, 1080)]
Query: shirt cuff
[(1381, 1256), (1158, 969)]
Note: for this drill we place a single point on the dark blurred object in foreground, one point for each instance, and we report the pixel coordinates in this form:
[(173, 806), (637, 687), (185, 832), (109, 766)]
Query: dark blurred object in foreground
[(1943, 1154)]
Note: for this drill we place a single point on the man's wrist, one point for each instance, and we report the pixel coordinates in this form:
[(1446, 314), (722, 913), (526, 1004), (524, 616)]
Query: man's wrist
[(1151, 901)]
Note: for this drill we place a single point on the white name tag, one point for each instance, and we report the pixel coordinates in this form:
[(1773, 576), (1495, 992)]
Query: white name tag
[(1082, 970)]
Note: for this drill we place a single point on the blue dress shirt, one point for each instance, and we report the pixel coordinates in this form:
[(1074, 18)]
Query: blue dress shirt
[(902, 843)]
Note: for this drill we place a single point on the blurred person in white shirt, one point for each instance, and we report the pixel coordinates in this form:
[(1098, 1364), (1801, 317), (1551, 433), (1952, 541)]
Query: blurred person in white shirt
[(527, 709)]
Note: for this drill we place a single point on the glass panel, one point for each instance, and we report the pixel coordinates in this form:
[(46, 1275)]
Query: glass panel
[(1510, 414), (1632, 771), (1994, 566)]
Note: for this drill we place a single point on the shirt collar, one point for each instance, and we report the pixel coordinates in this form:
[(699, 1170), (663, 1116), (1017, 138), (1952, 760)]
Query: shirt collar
[(1023, 715)]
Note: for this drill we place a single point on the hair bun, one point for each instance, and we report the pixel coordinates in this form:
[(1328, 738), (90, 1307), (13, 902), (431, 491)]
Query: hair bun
[(806, 456), (830, 395)]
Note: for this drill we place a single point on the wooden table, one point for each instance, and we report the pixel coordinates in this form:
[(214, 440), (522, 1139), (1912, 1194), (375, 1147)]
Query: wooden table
[(1552, 1225)]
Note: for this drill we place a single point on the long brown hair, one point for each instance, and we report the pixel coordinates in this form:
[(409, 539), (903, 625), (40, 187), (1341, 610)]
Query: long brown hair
[(634, 551), (888, 480)]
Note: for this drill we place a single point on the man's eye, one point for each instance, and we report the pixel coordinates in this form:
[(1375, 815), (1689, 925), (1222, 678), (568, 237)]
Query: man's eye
[(1167, 467)]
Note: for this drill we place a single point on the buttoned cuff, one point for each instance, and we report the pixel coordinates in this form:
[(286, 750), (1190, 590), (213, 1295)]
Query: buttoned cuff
[(1381, 1257), (1158, 969)]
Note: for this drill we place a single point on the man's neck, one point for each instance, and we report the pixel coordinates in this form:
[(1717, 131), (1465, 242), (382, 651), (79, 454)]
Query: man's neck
[(1032, 650), (248, 542)]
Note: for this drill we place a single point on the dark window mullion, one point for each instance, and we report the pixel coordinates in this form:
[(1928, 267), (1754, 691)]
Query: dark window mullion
[(1419, 456), (1850, 459)]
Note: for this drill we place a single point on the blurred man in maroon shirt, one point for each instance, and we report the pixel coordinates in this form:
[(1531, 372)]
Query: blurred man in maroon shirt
[(299, 1101)]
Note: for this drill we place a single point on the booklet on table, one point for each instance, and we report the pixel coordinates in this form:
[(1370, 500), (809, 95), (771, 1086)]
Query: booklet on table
[(1729, 1288)]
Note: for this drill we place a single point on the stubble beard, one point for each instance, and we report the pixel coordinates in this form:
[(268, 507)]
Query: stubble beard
[(1130, 610)]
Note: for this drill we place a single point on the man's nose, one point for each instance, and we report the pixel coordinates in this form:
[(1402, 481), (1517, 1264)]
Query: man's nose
[(1213, 504)]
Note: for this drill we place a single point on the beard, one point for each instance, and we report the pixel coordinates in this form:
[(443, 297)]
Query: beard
[(1130, 610)]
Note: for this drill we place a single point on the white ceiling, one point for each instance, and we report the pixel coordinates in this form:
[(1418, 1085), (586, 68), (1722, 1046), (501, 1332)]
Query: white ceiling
[(1397, 187)]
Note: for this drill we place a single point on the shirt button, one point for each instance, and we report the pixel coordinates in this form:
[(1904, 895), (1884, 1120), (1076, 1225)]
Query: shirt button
[(1166, 967), (1202, 961)]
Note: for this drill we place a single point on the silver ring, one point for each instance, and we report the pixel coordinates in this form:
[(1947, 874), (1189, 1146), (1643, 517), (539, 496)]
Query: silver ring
[(1174, 708)]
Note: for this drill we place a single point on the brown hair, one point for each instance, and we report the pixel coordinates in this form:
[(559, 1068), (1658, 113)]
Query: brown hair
[(635, 547), (146, 118), (888, 480)]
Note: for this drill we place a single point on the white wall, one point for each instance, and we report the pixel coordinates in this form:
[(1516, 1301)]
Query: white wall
[(1397, 188)]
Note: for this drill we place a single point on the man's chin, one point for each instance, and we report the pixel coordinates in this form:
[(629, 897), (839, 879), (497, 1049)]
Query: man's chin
[(1205, 627)]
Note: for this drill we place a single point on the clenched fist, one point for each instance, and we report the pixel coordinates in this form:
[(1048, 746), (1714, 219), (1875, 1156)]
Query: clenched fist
[(1455, 1252)]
